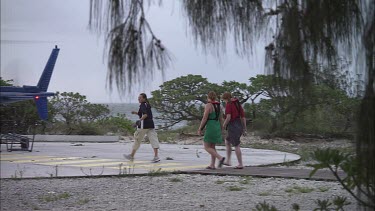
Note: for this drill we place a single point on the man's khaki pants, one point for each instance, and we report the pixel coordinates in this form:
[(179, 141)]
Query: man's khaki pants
[(151, 134)]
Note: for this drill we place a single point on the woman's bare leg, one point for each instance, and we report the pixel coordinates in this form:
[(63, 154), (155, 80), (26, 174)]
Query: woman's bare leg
[(237, 149), (229, 152), (212, 151), (213, 159)]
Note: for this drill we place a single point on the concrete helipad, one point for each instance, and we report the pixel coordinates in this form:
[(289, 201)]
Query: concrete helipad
[(80, 159)]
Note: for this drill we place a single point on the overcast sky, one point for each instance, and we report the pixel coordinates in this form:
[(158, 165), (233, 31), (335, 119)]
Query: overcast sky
[(30, 29)]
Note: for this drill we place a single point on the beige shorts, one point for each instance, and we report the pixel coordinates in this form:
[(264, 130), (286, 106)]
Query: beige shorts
[(151, 134)]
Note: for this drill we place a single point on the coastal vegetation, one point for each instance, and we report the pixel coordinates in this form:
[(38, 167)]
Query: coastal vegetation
[(68, 113), (327, 111)]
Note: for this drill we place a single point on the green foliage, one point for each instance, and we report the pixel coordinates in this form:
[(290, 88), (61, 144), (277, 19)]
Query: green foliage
[(265, 193), (365, 144), (117, 124), (340, 202), (76, 112), (95, 112), (354, 179), (157, 172), (304, 189), (323, 189), (20, 117), (265, 85), (73, 108), (182, 98), (334, 160), (167, 136), (324, 205), (69, 113), (175, 179), (87, 128), (295, 207), (5, 82), (133, 46), (51, 197), (235, 188), (337, 203), (83, 201), (171, 136), (68, 108), (238, 90), (264, 206), (246, 180), (299, 189), (323, 110)]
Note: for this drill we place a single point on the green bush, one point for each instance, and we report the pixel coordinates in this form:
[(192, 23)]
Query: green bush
[(325, 119), (88, 128), (117, 124)]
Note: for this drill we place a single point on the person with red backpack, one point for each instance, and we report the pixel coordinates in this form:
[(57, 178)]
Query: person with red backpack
[(235, 123)]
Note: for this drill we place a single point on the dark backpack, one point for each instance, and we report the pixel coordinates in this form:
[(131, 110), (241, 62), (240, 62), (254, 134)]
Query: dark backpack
[(217, 113), (237, 104)]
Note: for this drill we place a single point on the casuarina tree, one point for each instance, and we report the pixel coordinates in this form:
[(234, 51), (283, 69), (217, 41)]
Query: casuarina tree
[(303, 34)]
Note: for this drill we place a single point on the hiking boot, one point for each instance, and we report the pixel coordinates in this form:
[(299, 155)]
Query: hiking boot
[(129, 157), (155, 160)]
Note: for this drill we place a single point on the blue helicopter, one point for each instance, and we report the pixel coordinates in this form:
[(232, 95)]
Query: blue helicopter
[(12, 94)]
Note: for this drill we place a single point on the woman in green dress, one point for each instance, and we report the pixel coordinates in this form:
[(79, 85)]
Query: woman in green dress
[(213, 121)]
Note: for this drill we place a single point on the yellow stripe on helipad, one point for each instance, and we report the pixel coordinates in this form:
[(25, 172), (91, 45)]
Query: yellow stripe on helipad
[(1, 155), (75, 161), (47, 159), (6, 155), (23, 157), (125, 163)]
